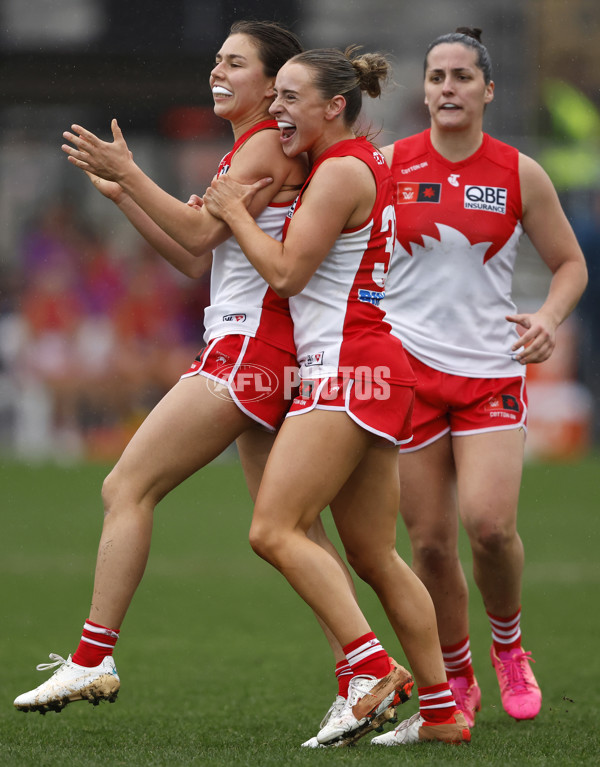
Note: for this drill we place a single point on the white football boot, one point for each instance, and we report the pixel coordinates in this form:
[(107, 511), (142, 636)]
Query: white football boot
[(71, 682), (370, 703), (334, 710), (416, 730)]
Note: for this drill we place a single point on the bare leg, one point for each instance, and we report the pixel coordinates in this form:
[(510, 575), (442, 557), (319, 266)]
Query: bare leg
[(429, 509), (254, 447), (302, 475), (489, 468), (186, 430), (366, 512)]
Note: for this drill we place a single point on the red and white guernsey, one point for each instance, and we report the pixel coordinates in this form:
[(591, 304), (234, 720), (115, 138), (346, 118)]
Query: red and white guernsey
[(458, 228), (338, 323), (241, 302)]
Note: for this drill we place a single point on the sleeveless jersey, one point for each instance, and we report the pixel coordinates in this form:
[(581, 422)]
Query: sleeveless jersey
[(458, 229), (241, 302), (338, 324)]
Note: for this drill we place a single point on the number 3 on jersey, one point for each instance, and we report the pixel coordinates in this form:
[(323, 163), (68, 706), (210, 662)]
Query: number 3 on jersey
[(388, 224)]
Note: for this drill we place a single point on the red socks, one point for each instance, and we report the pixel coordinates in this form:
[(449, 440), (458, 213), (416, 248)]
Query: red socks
[(343, 673), (366, 656), (436, 703), (457, 660), (95, 644), (506, 632)]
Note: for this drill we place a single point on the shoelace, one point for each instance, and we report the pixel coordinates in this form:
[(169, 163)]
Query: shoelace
[(407, 723), (513, 669), (358, 688), (58, 661)]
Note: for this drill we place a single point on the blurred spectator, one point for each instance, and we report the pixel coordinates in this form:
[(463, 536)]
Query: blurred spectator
[(94, 341)]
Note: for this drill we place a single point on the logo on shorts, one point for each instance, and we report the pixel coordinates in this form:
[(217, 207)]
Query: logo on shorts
[(246, 383), (314, 359), (408, 192), (487, 198), (306, 389), (503, 406), (234, 318)]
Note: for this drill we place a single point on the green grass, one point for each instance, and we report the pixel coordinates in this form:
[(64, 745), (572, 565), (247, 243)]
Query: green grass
[(222, 664)]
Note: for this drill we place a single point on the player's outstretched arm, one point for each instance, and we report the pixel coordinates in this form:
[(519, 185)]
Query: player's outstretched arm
[(193, 228)]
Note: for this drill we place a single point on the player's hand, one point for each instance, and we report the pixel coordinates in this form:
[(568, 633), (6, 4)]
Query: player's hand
[(106, 159), (224, 196), (195, 202), (109, 189), (537, 343)]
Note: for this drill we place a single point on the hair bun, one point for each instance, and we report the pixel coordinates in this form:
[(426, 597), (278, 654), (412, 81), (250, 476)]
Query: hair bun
[(473, 32)]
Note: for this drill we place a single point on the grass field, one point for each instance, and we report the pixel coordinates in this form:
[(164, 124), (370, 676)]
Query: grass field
[(222, 664)]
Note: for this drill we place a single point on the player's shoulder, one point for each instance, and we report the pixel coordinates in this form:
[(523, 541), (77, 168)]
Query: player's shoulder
[(535, 182), (261, 155), (500, 152), (406, 150)]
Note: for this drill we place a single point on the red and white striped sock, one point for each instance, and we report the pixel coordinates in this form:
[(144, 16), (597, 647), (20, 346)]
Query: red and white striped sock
[(95, 644), (436, 703), (366, 656), (343, 673), (506, 632), (457, 659)]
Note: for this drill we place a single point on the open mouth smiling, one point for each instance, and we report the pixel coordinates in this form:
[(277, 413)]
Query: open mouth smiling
[(287, 129)]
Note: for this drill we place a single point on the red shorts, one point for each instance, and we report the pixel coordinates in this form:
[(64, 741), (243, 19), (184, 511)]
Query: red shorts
[(261, 379), (378, 406), (460, 405)]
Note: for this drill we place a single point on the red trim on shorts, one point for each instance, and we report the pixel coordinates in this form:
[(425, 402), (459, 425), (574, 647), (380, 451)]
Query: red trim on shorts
[(379, 407), (463, 405), (259, 378)]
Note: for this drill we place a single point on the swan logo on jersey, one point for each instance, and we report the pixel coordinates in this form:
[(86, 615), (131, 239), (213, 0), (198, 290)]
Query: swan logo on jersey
[(488, 198), (374, 297), (234, 318), (417, 192), (379, 274), (314, 359)]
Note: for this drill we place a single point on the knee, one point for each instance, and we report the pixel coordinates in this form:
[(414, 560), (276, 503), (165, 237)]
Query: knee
[(121, 495), (369, 565), (265, 541), (491, 536), (434, 556), (109, 492)]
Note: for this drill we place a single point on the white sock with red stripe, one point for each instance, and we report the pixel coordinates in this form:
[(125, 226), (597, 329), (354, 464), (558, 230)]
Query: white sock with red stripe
[(506, 632), (95, 644), (436, 703), (457, 659), (366, 656)]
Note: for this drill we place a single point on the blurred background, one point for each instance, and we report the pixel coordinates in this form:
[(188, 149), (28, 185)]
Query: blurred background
[(94, 327)]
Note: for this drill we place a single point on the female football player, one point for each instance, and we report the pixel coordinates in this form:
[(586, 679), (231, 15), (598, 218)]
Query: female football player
[(337, 443), (463, 200)]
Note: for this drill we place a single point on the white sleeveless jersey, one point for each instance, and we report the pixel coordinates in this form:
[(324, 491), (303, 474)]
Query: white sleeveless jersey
[(338, 325), (450, 283), (241, 302)]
